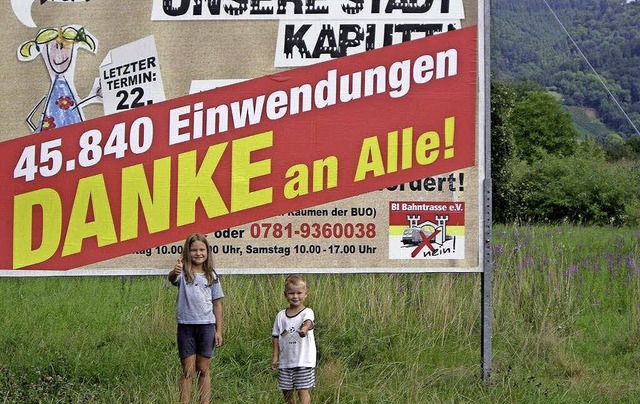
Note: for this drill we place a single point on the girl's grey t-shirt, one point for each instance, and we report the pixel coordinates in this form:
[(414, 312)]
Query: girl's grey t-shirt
[(194, 301)]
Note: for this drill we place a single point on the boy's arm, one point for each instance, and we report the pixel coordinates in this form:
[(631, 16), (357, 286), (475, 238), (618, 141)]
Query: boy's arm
[(275, 344), (306, 326), (218, 312)]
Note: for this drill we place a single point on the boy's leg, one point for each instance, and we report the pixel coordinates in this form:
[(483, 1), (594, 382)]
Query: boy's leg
[(204, 378), (289, 396), (305, 396), (188, 369)]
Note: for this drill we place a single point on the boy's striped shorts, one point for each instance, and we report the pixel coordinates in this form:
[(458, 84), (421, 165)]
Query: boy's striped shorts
[(296, 378)]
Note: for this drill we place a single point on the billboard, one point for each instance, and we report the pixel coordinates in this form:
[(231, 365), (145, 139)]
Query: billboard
[(301, 136)]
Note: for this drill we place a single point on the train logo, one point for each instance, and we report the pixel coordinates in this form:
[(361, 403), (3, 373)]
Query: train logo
[(432, 235)]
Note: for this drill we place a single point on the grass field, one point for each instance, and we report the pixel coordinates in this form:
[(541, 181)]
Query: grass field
[(566, 305)]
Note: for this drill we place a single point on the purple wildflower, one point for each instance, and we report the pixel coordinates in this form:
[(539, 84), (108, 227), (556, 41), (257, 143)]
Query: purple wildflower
[(632, 264), (572, 271)]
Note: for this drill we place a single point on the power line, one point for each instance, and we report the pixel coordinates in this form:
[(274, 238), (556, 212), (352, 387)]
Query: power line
[(592, 68)]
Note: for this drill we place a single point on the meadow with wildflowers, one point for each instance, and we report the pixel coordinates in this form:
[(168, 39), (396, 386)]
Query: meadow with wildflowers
[(566, 308)]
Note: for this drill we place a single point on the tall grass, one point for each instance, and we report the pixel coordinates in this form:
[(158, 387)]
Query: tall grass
[(566, 305)]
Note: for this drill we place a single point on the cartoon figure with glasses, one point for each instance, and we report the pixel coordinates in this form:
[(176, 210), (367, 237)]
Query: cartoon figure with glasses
[(58, 47)]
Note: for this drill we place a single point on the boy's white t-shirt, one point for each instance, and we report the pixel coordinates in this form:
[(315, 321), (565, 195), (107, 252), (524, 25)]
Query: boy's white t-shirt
[(295, 351)]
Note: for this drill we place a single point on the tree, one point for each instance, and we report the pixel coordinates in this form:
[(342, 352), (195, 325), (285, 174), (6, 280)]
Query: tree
[(634, 143), (503, 147), (540, 127)]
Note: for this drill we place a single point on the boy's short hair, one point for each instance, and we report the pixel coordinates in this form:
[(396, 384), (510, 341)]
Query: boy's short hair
[(294, 280)]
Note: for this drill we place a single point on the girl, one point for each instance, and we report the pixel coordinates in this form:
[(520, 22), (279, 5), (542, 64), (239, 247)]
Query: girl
[(199, 314)]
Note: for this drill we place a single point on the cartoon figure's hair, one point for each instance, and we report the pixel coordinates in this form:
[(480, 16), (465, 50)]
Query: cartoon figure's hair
[(207, 266), (29, 50)]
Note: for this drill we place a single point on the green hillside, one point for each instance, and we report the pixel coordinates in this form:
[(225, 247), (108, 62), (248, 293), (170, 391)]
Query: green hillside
[(587, 123), (601, 44)]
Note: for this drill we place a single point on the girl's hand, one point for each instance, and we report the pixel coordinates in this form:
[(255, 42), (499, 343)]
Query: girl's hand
[(178, 267), (96, 90), (175, 272), (274, 364)]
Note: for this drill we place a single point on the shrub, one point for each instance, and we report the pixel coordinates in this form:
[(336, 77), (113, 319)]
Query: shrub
[(581, 188)]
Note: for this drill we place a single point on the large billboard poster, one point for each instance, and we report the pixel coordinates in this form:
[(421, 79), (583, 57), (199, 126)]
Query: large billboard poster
[(301, 136)]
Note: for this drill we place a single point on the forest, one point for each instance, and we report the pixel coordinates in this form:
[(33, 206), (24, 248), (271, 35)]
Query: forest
[(563, 148), (587, 51)]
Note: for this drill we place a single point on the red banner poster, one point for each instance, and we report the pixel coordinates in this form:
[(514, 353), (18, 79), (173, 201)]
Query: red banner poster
[(212, 160), (326, 136)]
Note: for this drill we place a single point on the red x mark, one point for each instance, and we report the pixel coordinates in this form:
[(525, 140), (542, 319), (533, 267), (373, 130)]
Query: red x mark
[(426, 241)]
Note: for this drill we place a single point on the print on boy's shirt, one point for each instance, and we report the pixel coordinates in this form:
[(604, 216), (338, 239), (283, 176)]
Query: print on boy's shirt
[(291, 334)]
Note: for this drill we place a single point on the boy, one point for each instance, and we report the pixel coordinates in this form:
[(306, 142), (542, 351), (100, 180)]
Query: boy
[(294, 346)]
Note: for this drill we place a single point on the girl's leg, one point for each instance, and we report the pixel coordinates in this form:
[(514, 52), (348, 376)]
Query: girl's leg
[(305, 396), (188, 369), (204, 378)]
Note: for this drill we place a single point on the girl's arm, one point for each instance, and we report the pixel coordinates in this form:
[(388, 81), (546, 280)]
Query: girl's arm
[(30, 116), (275, 345), (95, 95), (218, 312), (177, 269)]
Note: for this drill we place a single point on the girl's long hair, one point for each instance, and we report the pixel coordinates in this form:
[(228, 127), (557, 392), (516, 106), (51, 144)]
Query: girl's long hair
[(207, 266)]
